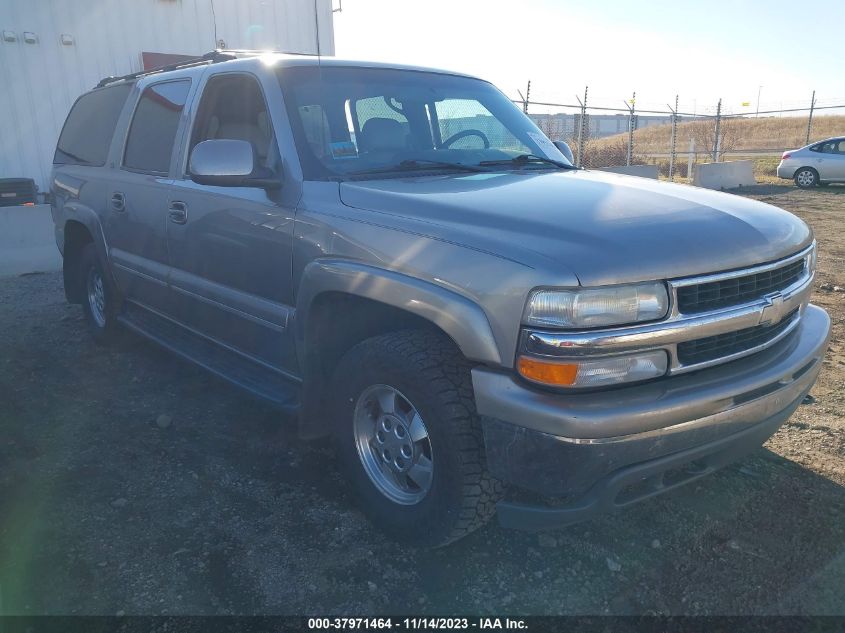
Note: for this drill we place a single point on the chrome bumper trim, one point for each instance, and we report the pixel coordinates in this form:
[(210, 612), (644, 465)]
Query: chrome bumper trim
[(756, 385)]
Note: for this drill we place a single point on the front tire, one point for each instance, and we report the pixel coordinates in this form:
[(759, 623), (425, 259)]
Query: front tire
[(806, 178), (409, 438), (99, 299)]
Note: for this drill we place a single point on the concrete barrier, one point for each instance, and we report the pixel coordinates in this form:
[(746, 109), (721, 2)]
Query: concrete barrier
[(643, 171), (27, 242), (736, 173)]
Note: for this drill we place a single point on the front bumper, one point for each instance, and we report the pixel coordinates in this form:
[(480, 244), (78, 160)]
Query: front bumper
[(606, 450)]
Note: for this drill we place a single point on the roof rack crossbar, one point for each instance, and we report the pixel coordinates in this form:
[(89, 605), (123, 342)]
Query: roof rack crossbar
[(213, 57)]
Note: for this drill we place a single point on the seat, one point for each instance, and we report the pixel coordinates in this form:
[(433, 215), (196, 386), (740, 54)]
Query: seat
[(381, 134), (257, 133)]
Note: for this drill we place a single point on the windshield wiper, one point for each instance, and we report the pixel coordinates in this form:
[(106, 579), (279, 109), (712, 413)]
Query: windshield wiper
[(412, 164), (526, 159)]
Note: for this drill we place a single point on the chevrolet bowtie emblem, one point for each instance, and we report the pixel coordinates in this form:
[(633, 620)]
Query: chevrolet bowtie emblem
[(773, 310)]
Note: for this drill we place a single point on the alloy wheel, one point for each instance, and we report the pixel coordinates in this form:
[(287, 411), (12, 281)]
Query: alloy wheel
[(97, 297), (805, 178), (393, 444)]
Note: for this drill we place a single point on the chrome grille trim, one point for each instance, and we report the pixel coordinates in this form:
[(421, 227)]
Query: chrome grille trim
[(714, 295), (769, 334), (677, 327), (674, 284)]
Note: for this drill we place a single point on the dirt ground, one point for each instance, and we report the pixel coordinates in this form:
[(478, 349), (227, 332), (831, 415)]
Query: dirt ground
[(217, 508)]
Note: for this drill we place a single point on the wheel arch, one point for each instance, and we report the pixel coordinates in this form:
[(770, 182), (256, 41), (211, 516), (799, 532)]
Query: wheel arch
[(341, 303), (809, 167), (82, 226)]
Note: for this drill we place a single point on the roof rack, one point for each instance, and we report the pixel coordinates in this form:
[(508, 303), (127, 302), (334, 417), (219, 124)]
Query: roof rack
[(214, 57), (251, 52)]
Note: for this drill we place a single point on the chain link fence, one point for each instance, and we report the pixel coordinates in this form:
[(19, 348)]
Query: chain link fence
[(676, 136)]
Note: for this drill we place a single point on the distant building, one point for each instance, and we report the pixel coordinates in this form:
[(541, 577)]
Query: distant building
[(51, 51), (563, 126)]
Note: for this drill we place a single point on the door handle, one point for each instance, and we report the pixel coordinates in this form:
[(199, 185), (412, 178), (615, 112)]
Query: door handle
[(118, 201), (178, 212)]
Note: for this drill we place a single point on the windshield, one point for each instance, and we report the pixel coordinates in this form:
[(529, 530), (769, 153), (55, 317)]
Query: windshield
[(351, 121)]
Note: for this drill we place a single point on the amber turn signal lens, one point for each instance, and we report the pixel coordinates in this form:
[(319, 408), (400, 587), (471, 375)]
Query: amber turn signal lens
[(562, 374)]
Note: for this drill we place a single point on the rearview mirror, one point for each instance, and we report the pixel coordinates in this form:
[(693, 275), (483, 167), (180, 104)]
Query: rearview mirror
[(229, 163), (565, 150)]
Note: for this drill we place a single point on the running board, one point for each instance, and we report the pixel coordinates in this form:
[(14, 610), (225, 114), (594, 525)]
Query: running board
[(251, 375)]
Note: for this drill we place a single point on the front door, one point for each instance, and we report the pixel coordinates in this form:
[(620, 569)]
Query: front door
[(230, 247), (837, 160), (136, 222)]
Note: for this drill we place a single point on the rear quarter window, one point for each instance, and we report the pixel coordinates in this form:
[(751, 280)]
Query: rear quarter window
[(89, 127)]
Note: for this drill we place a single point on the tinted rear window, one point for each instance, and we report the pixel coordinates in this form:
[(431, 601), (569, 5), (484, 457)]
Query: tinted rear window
[(153, 130), (89, 128)]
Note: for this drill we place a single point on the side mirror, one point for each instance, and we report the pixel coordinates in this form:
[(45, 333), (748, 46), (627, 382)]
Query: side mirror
[(229, 163), (565, 150)]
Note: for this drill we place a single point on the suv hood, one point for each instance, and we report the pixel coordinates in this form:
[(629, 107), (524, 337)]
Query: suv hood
[(605, 228)]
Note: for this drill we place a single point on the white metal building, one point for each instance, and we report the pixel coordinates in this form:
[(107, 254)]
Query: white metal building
[(51, 51)]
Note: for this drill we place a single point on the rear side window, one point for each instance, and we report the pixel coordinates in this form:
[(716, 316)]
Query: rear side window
[(830, 147), (89, 127), (152, 133)]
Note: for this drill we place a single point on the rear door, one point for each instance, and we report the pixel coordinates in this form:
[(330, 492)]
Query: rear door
[(230, 251), (137, 198)]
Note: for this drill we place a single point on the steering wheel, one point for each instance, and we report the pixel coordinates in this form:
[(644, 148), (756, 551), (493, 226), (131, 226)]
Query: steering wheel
[(464, 133)]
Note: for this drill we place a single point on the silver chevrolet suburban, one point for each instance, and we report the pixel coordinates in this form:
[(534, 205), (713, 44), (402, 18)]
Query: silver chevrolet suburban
[(400, 257)]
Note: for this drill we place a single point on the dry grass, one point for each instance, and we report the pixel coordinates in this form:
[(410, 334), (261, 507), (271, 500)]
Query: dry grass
[(770, 133)]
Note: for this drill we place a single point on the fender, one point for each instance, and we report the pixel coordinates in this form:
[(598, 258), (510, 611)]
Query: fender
[(66, 207), (463, 320), (75, 212)]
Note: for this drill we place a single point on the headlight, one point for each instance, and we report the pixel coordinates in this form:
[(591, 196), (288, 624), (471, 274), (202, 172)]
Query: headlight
[(594, 372), (597, 307)]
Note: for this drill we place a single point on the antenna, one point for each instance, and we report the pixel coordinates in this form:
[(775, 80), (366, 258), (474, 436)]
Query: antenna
[(214, 20), (317, 29), (319, 65)]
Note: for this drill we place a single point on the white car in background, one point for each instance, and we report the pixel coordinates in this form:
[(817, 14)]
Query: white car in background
[(818, 164)]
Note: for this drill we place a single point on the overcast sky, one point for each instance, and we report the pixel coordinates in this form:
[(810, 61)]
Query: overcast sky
[(702, 50)]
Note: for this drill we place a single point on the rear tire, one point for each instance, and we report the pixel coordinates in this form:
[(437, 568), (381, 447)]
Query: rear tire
[(99, 299), (404, 406), (806, 178)]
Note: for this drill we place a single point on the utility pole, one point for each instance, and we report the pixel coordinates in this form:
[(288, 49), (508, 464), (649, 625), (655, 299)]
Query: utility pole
[(582, 123), (674, 139), (631, 120), (757, 113), (527, 97), (810, 119), (718, 129)]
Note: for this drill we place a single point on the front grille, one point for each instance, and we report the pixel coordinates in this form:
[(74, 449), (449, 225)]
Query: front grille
[(737, 290), (721, 345)]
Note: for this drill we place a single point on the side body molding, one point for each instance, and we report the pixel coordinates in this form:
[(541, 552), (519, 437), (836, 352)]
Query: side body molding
[(464, 321)]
